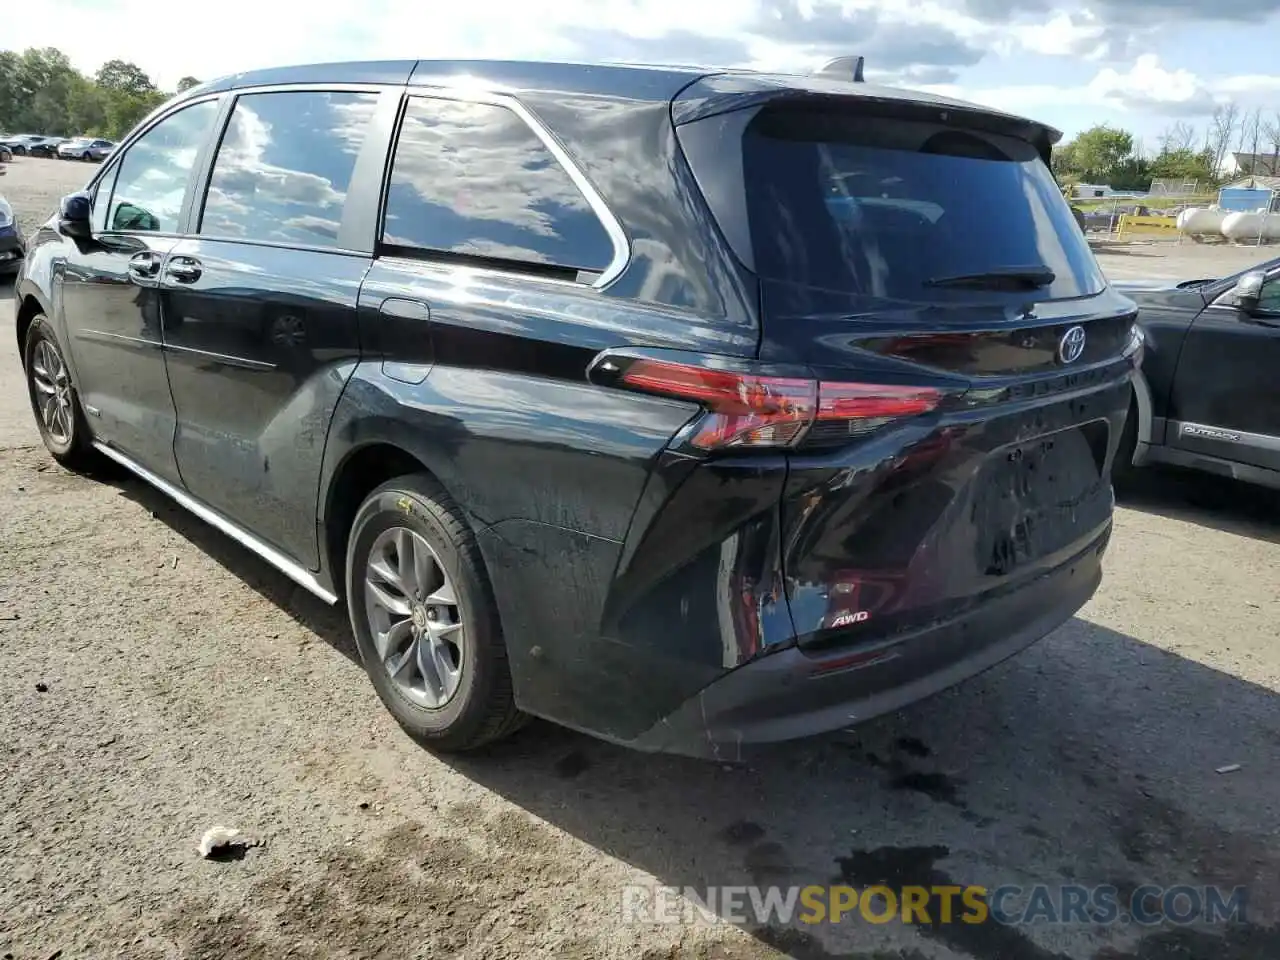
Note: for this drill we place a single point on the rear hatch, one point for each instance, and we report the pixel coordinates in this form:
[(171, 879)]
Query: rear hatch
[(921, 255)]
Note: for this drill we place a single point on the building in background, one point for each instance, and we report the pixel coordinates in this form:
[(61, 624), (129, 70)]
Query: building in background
[(1250, 194), (1252, 165)]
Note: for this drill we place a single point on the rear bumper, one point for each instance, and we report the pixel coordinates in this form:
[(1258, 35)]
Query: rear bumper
[(791, 693), (12, 251), (735, 606)]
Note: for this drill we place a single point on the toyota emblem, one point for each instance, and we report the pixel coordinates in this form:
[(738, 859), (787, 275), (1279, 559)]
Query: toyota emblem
[(1071, 345)]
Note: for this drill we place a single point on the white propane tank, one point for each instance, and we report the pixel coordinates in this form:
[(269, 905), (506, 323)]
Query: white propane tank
[(1243, 227), (1201, 221)]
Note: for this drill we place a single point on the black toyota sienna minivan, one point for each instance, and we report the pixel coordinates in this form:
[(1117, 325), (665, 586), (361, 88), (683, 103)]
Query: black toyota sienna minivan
[(694, 409)]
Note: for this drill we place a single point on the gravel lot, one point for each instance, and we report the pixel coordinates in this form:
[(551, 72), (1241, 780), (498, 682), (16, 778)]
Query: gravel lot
[(157, 679)]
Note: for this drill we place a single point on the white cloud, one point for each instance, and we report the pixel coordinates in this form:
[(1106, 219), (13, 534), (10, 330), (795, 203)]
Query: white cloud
[(927, 44), (1149, 94), (248, 34), (1249, 85), (1149, 86), (1063, 34)]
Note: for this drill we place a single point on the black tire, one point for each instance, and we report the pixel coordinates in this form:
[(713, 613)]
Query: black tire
[(19, 151), (1122, 468), (482, 710), (86, 156), (74, 451)]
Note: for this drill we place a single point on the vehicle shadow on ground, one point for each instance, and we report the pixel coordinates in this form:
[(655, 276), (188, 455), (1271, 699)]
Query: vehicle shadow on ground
[(1219, 503), (1090, 759), (327, 622)]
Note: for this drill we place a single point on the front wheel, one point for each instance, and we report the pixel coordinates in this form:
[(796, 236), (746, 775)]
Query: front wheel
[(54, 400), (424, 618)]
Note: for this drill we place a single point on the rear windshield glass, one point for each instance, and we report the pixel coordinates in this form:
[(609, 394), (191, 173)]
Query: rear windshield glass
[(885, 208)]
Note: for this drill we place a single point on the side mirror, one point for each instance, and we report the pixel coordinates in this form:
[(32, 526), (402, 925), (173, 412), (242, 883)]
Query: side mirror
[(74, 214), (1248, 290)]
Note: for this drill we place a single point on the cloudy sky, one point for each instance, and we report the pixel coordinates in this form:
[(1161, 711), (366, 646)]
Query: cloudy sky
[(1143, 64)]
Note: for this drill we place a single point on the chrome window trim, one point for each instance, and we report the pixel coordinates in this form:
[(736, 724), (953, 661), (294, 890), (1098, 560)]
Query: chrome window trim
[(159, 115), (612, 227), (235, 96)]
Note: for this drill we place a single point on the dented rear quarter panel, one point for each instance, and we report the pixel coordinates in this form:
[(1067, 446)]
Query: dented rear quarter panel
[(487, 389)]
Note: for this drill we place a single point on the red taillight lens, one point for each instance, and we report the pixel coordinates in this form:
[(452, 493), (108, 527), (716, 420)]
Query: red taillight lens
[(746, 410), (862, 401)]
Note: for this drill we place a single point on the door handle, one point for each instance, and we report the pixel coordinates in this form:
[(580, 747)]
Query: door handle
[(183, 269), (144, 266)]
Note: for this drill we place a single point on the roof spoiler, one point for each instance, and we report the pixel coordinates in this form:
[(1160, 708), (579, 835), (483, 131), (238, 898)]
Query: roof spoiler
[(843, 68)]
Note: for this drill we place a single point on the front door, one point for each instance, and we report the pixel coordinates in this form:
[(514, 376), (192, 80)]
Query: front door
[(1225, 400), (110, 289), (261, 303)]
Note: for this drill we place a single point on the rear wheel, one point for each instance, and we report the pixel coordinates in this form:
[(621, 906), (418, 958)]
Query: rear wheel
[(54, 400), (86, 156), (20, 151), (424, 618)]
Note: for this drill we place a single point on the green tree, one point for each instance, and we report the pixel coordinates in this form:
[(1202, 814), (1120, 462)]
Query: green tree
[(186, 83), (1064, 162), (41, 92), (1102, 150), (1130, 173), (87, 108), (33, 91), (120, 76), (11, 98), (125, 110), (1184, 164)]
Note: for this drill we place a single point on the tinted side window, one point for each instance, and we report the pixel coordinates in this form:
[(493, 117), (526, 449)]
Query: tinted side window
[(284, 166), (102, 196), (153, 173), (473, 178), (1269, 296)]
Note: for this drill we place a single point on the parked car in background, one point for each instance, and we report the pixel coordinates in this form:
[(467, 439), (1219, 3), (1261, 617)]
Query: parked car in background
[(12, 246), (48, 147), (5, 154), (86, 148), (1208, 393), (23, 143), (688, 408)]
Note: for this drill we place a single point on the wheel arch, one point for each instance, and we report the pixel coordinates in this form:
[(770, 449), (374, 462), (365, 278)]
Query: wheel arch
[(29, 307), (361, 469), (1146, 416), (351, 477)]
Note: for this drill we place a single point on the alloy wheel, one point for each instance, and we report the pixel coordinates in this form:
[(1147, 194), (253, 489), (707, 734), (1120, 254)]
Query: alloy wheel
[(52, 391), (414, 617)]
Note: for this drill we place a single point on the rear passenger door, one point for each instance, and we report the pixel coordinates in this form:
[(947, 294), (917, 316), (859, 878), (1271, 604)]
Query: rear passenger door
[(261, 299), (473, 184)]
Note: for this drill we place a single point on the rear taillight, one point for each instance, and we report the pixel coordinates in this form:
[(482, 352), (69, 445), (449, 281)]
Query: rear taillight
[(749, 410)]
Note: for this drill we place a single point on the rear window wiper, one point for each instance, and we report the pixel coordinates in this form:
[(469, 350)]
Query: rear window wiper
[(1001, 278)]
